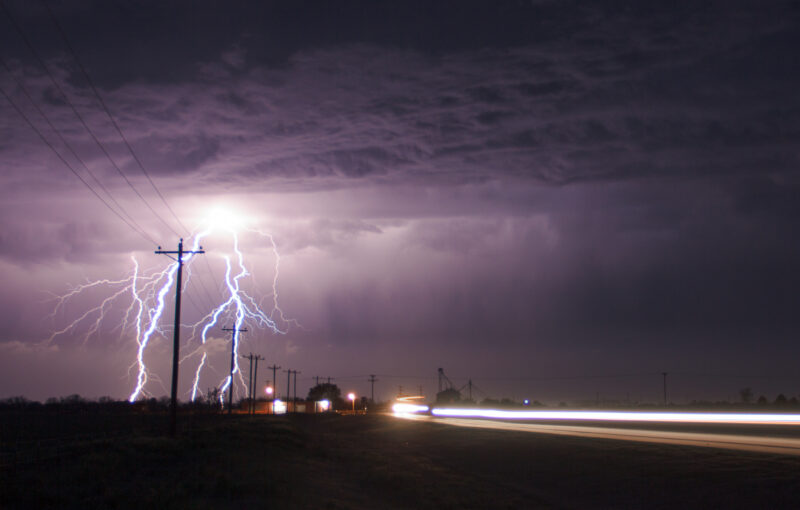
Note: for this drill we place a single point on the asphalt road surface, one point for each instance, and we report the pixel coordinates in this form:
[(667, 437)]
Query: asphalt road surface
[(768, 438)]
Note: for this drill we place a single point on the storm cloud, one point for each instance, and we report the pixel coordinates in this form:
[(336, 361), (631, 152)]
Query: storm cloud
[(594, 188)]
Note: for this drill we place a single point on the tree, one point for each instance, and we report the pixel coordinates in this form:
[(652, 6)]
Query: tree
[(212, 396), (325, 391), (780, 400), (746, 394)]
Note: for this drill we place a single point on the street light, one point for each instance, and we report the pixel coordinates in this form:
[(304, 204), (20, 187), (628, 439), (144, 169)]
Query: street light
[(352, 397)]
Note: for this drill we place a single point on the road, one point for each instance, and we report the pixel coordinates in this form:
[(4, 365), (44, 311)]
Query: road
[(754, 436)]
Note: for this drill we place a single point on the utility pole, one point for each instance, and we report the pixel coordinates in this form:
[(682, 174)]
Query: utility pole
[(295, 389), (288, 387), (372, 381), (233, 331), (173, 408), (255, 378), (470, 389), (665, 388), (249, 383), (274, 386)]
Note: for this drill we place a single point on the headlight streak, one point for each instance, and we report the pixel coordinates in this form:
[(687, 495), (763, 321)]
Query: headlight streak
[(403, 408), (623, 416), (142, 316)]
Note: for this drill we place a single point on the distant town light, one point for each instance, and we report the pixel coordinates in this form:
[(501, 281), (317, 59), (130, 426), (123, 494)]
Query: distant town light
[(526, 402), (324, 404), (351, 396), (278, 407)]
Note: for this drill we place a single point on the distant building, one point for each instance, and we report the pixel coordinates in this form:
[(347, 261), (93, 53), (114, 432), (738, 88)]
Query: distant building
[(448, 396)]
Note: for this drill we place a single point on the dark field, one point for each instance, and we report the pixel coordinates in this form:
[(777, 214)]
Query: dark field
[(365, 462)]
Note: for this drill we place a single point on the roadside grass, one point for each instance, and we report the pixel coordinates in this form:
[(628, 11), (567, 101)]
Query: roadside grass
[(220, 465), (374, 461)]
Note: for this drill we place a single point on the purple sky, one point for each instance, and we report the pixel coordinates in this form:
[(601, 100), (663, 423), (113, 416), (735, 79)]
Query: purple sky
[(553, 198)]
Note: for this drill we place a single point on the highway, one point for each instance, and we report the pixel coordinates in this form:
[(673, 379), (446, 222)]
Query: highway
[(748, 432)]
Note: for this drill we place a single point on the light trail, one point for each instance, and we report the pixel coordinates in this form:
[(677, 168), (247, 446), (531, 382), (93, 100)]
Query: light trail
[(143, 298), (730, 438), (623, 416), (753, 443), (403, 408)]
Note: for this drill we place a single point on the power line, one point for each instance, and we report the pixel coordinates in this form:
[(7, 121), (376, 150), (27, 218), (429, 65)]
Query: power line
[(103, 104), (72, 151), (96, 140), (205, 290), (79, 116), (108, 112), (71, 169)]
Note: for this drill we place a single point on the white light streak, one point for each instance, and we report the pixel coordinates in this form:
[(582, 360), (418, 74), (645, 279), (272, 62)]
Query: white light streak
[(403, 408), (623, 416)]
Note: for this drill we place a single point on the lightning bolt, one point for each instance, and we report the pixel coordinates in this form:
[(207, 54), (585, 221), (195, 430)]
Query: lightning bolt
[(143, 298)]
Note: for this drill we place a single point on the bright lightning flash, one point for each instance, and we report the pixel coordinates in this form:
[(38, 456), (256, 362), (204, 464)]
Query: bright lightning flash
[(144, 296)]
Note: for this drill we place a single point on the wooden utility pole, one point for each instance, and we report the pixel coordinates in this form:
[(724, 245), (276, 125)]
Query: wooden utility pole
[(253, 383), (249, 382), (176, 342), (372, 382), (295, 388), (288, 387), (274, 386), (233, 331)]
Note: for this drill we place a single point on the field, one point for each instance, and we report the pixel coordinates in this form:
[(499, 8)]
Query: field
[(367, 462)]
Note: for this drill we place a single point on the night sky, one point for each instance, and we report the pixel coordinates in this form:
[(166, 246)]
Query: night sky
[(557, 199)]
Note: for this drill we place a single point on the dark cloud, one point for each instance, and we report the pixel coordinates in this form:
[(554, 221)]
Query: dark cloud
[(610, 182)]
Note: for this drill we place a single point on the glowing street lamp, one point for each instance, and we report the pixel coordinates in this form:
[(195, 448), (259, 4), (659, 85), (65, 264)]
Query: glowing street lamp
[(269, 390), (352, 397)]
